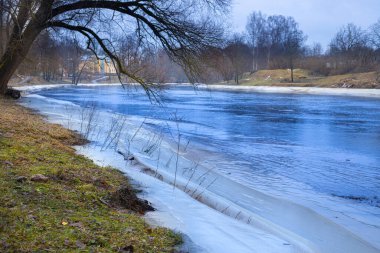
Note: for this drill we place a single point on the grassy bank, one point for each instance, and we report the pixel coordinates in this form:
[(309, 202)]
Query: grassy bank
[(53, 200), (304, 78)]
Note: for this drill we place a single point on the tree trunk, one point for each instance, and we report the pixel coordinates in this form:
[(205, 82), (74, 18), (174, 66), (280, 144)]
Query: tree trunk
[(268, 58), (292, 74), (254, 60), (22, 38), (8, 66), (16, 51), (1, 27), (291, 70), (257, 59)]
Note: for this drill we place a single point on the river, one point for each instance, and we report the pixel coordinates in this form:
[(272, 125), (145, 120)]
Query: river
[(321, 153)]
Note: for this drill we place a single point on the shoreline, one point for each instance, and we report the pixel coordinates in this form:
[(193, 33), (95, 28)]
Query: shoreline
[(349, 92), (373, 93)]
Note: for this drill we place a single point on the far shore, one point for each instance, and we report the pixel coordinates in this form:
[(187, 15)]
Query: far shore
[(354, 92), (300, 90)]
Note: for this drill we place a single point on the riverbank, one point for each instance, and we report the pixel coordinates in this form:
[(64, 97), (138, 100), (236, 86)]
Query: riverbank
[(375, 93), (303, 78), (53, 199), (372, 93), (306, 78)]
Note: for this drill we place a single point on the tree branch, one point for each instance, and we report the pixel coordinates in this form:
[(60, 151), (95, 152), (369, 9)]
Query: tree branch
[(91, 36)]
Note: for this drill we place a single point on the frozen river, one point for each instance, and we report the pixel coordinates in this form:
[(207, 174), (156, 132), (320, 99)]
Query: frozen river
[(321, 153)]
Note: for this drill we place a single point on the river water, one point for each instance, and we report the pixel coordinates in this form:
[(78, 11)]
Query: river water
[(321, 152)]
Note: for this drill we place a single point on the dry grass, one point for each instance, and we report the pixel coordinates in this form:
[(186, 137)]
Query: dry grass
[(71, 212), (274, 77), (303, 78), (356, 80)]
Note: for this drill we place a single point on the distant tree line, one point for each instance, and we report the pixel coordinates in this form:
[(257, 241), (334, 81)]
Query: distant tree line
[(56, 57), (270, 42), (276, 42), (352, 49), (60, 53)]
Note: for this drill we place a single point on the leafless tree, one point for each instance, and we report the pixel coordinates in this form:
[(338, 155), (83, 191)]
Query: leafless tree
[(182, 28), (375, 41), (148, 60), (351, 49), (278, 36), (257, 31), (5, 18), (274, 38), (348, 39), (375, 35), (239, 55), (217, 66), (73, 58), (293, 42), (315, 50)]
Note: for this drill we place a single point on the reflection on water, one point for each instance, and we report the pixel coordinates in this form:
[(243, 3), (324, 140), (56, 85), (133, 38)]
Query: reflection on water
[(331, 144)]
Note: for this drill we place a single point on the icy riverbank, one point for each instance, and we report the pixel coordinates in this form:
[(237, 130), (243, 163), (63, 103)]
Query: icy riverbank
[(375, 93), (241, 218), (299, 90)]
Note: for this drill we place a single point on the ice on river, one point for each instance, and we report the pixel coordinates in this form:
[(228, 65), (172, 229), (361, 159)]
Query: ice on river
[(217, 211)]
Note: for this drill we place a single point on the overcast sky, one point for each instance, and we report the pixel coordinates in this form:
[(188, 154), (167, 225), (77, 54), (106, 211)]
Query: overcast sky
[(319, 19)]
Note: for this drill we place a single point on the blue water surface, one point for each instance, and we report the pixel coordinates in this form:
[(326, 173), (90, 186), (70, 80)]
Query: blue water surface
[(330, 143)]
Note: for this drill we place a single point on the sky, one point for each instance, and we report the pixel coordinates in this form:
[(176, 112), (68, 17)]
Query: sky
[(319, 19)]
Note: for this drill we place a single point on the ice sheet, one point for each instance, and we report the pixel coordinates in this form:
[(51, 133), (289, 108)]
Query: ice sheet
[(205, 202)]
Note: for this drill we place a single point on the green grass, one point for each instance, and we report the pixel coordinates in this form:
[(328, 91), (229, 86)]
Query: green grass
[(68, 213)]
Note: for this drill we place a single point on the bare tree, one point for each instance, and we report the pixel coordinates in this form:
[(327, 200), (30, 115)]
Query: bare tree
[(72, 58), (217, 66), (348, 39), (257, 31), (131, 53), (1, 26), (350, 48), (147, 60), (181, 27), (5, 18), (375, 41), (275, 38), (47, 49), (316, 50), (278, 36), (293, 42), (375, 34), (240, 56)]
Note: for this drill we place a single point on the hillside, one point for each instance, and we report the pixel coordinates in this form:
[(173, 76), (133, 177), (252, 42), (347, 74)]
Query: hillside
[(304, 78)]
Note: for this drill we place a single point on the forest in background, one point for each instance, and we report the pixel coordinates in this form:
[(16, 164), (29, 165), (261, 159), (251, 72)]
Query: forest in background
[(269, 43)]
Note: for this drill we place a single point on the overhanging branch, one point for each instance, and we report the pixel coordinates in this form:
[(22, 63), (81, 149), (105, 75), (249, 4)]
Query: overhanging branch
[(92, 37)]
